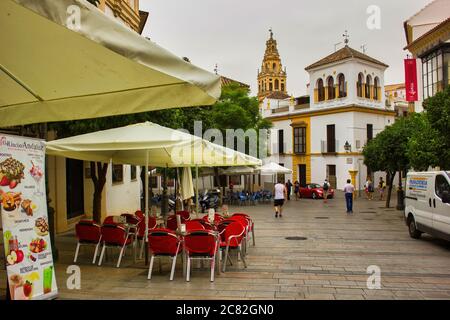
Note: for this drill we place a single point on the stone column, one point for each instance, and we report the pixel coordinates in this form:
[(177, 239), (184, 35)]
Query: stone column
[(353, 174)]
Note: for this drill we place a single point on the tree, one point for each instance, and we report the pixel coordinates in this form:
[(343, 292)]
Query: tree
[(388, 150), (430, 143)]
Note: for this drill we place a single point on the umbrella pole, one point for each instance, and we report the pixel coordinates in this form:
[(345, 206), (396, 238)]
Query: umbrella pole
[(146, 209), (176, 196), (196, 190)]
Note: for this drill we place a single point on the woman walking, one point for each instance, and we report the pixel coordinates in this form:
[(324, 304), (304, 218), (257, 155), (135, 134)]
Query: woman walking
[(297, 190)]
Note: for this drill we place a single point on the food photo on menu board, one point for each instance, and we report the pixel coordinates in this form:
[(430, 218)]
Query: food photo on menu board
[(26, 238)]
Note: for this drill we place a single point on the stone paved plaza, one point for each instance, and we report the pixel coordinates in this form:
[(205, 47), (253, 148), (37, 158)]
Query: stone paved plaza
[(330, 264)]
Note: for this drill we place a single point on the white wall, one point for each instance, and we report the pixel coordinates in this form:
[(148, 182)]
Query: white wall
[(122, 197)]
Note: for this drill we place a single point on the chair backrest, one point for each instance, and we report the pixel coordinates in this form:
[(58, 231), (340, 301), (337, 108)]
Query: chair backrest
[(217, 218), (139, 214), (194, 225), (89, 231), (200, 242), (234, 232), (163, 242), (240, 215), (141, 225), (109, 220), (184, 214), (204, 223), (113, 234), (172, 222), (131, 218), (243, 220)]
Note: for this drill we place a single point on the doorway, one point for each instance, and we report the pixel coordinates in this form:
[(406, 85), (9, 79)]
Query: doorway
[(331, 174), (74, 188), (302, 175)]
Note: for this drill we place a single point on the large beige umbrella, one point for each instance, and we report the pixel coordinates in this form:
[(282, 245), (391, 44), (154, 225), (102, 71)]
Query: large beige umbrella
[(147, 144), (66, 60), (163, 146)]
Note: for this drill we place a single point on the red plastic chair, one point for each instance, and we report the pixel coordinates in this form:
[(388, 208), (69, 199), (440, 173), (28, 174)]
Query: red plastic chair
[(186, 215), (114, 235), (88, 233), (201, 245), (163, 242), (246, 222), (172, 222), (217, 218), (194, 225), (110, 220), (205, 224), (139, 214), (233, 234)]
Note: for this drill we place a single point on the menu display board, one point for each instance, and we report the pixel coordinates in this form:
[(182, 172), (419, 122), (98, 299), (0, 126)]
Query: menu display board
[(23, 205)]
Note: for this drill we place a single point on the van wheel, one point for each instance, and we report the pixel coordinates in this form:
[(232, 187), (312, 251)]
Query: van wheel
[(413, 232)]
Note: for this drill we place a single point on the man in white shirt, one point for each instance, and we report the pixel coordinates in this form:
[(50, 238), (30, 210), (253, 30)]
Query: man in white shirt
[(280, 194), (348, 190)]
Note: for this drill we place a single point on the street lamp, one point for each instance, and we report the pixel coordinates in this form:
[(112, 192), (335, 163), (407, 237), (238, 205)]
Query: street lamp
[(347, 146)]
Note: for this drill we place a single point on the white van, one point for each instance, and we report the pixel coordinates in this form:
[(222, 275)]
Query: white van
[(427, 208)]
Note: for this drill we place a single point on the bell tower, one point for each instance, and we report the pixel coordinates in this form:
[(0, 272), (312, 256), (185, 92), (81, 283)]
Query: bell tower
[(272, 76)]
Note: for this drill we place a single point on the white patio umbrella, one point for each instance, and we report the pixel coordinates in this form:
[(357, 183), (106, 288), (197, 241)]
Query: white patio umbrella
[(66, 60), (147, 144), (231, 171), (272, 169)]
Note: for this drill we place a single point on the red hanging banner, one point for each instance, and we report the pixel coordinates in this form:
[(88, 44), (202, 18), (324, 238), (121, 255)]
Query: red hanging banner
[(411, 80)]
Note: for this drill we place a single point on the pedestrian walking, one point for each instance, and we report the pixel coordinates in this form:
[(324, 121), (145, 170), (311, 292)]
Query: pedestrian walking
[(280, 194), (297, 190), (381, 188), (325, 188), (349, 189), (368, 188), (289, 189)]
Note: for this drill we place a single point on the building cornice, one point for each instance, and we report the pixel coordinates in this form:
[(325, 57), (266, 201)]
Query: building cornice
[(328, 111)]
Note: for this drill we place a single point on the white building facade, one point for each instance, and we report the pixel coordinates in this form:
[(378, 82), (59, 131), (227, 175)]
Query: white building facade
[(324, 137)]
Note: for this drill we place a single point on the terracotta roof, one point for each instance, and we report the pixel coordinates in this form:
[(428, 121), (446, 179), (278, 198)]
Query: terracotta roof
[(143, 15), (344, 54), (226, 81), (278, 95)]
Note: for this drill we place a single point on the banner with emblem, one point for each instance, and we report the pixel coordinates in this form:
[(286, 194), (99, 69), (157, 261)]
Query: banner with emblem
[(28, 252), (412, 92)]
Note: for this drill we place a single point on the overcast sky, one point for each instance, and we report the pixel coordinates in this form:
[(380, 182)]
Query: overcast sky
[(232, 33)]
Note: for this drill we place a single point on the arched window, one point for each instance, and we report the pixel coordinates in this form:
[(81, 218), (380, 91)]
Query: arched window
[(282, 86), (320, 90), (342, 86), (277, 84), (274, 66), (331, 90), (368, 87), (359, 86), (376, 86), (267, 68), (263, 86), (270, 86)]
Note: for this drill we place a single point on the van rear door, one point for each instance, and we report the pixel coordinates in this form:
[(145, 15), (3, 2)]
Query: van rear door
[(441, 211)]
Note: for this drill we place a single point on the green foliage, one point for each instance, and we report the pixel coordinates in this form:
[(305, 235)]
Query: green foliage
[(388, 150), (431, 147), (424, 145)]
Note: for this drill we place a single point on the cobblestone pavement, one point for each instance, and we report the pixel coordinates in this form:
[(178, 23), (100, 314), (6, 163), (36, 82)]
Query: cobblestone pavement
[(331, 264)]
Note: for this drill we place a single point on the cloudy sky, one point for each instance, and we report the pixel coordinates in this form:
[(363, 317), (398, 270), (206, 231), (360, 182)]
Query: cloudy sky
[(232, 33)]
